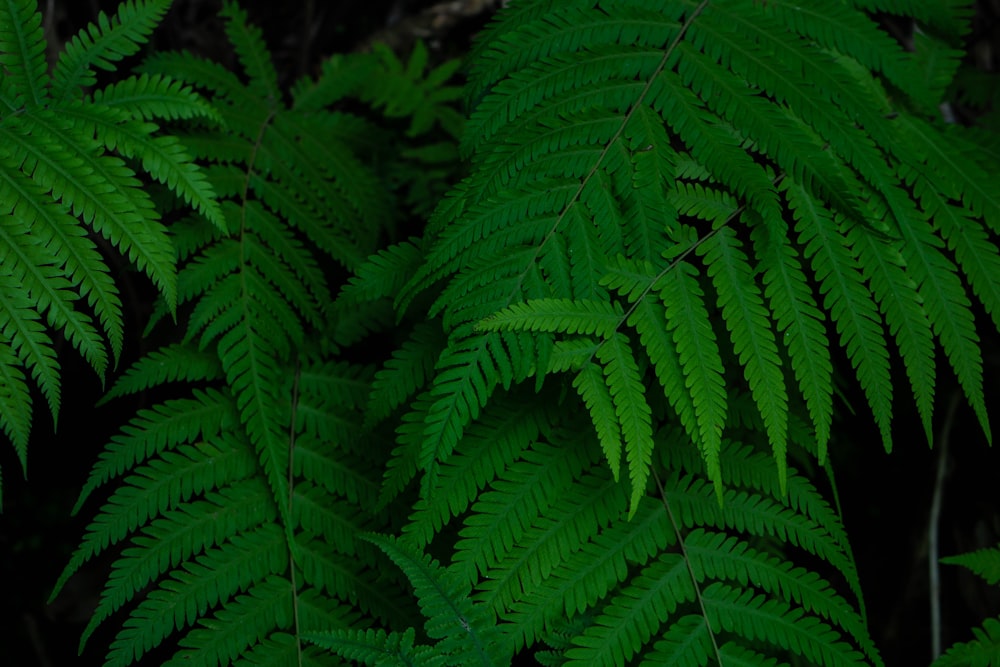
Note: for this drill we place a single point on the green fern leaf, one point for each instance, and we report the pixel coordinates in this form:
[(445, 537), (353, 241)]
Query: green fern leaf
[(649, 319), (852, 33), (949, 160), (238, 509), (377, 648), (61, 236), (408, 371), (557, 316), (148, 97), (983, 651), (596, 395), (590, 573), (249, 45), (172, 363), (51, 292), (154, 429), (383, 274), (632, 410), (19, 320), (846, 298), (15, 403), (462, 628), (162, 157), (632, 617), (949, 309), (405, 91), (753, 340), (526, 490), (100, 189), (102, 44), (687, 321), (797, 316), (200, 73), (718, 556), (688, 642), (230, 632), (174, 537), (249, 360), (775, 623), (984, 562), (468, 373), (22, 51), (491, 445), (904, 309)]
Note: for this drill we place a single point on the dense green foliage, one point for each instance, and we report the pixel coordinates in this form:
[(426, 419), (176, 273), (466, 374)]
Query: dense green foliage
[(577, 416)]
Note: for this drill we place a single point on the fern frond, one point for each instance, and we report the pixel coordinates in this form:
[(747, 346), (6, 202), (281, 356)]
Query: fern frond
[(984, 562), (15, 403), (596, 395), (632, 617), (983, 651), (238, 508), (98, 188), (491, 444), (233, 629), (463, 628), (19, 320), (800, 321), (22, 52), (408, 371), (595, 501), (951, 154), (557, 316), (727, 557), (753, 340), (847, 299), (468, 374), (383, 274), (176, 537), (641, 176), (172, 363), (102, 44), (590, 573), (776, 623), (633, 412), (949, 309), (699, 357), (44, 283), (62, 237), (405, 90), (147, 97), (162, 157), (376, 647), (200, 73), (525, 492), (903, 307), (249, 45)]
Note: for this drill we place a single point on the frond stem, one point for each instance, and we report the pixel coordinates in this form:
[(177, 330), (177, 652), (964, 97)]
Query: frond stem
[(687, 564), (680, 257), (621, 128), (291, 489)]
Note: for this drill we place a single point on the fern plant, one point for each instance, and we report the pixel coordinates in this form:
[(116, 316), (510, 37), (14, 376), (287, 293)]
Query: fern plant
[(677, 211), (71, 158), (238, 504), (637, 172), (985, 648), (612, 352)]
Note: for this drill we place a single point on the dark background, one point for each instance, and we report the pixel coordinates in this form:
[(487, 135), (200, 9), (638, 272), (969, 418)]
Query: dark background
[(886, 497)]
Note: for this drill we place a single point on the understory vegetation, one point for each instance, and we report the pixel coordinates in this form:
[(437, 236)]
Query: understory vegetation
[(543, 355)]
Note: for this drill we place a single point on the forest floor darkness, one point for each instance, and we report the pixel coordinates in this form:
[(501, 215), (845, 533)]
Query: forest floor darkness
[(886, 497)]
